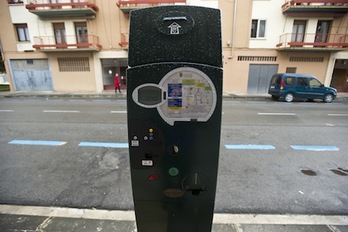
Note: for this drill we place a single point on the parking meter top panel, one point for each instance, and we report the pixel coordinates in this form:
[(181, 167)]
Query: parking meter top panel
[(175, 34)]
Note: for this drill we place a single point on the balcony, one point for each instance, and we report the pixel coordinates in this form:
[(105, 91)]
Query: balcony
[(83, 9), (67, 43), (313, 42), (315, 8), (127, 5)]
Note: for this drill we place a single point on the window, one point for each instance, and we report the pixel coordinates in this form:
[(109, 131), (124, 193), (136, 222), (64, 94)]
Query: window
[(15, 2), (257, 58), (298, 30), (22, 32), (78, 64), (77, 1), (290, 80), (55, 7), (59, 33), (258, 28), (314, 82), (291, 69), (306, 59), (322, 32), (301, 81), (81, 32)]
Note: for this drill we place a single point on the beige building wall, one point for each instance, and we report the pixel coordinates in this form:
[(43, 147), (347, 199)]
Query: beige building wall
[(107, 24), (72, 81), (235, 17)]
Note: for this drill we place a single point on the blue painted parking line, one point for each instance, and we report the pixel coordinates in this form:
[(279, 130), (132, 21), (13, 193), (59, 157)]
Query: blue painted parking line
[(315, 148), (98, 144), (37, 142), (249, 147)]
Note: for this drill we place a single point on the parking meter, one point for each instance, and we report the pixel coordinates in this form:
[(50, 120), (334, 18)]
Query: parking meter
[(174, 98)]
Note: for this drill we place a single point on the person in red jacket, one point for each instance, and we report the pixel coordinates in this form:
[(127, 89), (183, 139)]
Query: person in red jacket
[(117, 83)]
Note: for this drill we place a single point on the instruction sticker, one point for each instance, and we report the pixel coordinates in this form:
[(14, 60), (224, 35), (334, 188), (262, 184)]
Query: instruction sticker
[(191, 96)]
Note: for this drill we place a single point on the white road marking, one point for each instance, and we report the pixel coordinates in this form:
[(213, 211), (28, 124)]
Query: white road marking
[(329, 124), (118, 112), (314, 148), (100, 144), (61, 111), (277, 114), (249, 147), (38, 142), (219, 218), (6, 110), (338, 115)]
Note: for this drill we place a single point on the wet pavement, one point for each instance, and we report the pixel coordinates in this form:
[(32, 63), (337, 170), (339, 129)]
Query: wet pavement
[(51, 219)]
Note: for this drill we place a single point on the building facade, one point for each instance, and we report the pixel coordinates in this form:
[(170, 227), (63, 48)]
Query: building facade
[(263, 37), (79, 45)]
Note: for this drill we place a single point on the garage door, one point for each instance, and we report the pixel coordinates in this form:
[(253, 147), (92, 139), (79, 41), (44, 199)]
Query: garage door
[(259, 77), (31, 75)]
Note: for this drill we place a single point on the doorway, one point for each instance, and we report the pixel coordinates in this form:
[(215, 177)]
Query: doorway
[(322, 31), (59, 33), (81, 33), (112, 66), (298, 31)]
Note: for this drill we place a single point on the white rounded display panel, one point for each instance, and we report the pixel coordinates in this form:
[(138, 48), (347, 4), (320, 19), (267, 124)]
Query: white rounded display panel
[(183, 94)]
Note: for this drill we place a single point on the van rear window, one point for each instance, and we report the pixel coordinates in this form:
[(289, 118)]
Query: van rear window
[(275, 80)]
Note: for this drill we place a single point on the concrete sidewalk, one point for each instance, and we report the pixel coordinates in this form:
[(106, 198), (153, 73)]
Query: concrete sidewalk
[(55, 219)]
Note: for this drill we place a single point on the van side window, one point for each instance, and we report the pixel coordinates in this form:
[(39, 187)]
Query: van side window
[(290, 81), (314, 83), (301, 81)]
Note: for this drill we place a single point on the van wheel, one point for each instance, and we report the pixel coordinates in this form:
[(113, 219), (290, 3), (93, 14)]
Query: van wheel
[(328, 98), (275, 98), (289, 97)]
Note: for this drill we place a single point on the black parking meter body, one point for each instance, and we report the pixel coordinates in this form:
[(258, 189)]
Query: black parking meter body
[(174, 98)]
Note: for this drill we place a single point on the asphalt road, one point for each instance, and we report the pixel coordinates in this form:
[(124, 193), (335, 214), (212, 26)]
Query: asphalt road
[(275, 157)]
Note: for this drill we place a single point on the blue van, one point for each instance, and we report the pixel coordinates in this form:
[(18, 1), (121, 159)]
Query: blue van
[(302, 86)]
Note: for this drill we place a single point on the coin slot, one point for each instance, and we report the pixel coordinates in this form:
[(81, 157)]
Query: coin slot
[(175, 149)]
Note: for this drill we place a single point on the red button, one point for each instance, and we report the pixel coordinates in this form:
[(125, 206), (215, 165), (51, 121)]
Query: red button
[(152, 177)]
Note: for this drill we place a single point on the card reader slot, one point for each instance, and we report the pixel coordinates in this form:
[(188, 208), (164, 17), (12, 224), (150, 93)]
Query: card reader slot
[(164, 95)]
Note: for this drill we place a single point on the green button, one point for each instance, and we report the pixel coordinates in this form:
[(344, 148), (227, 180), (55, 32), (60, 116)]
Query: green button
[(173, 171)]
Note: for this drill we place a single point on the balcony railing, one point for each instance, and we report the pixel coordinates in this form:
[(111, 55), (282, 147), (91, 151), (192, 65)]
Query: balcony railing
[(315, 8), (128, 5), (66, 8), (67, 43), (313, 41)]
